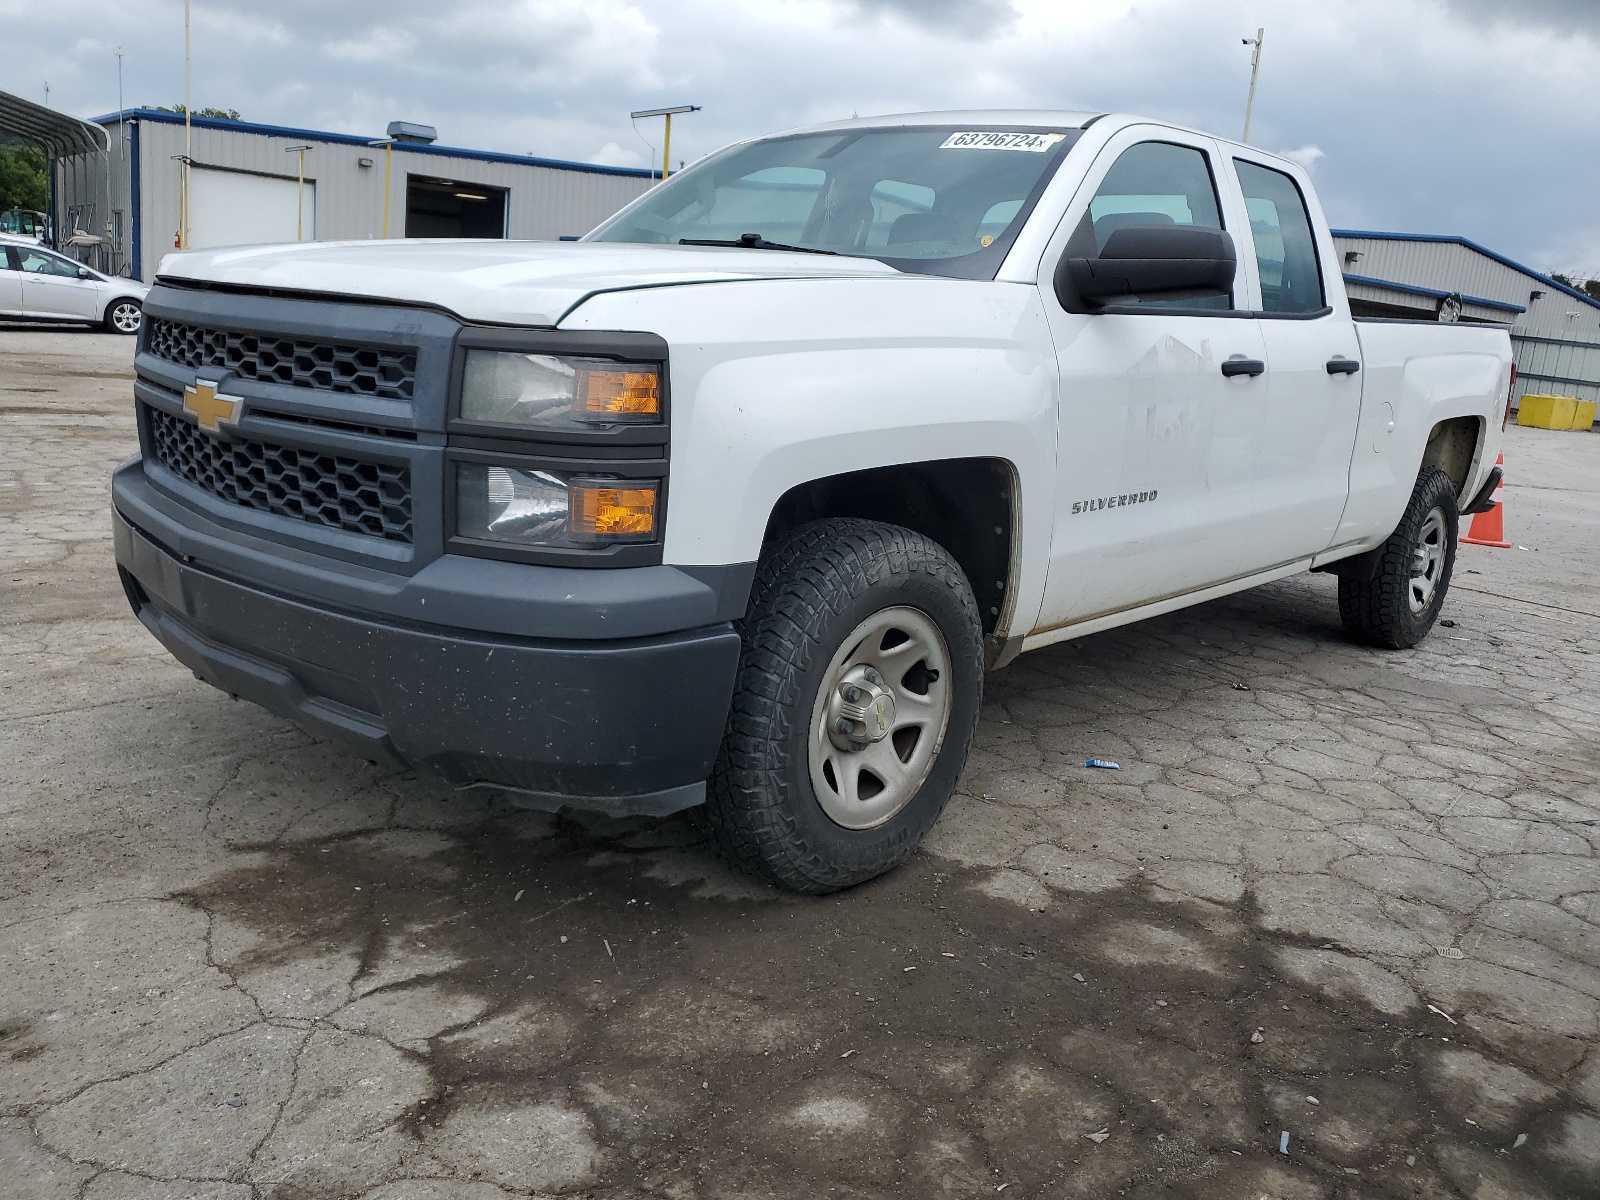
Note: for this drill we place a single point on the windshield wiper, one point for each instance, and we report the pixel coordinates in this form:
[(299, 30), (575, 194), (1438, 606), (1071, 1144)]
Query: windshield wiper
[(751, 241)]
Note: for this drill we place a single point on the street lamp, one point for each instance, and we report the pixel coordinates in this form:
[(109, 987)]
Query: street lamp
[(666, 142), (1255, 70), (300, 192)]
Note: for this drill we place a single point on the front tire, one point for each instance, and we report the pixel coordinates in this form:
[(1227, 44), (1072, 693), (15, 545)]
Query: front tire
[(124, 316), (1398, 605), (857, 695)]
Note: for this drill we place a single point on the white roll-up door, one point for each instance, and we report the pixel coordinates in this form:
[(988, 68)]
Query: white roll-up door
[(230, 208)]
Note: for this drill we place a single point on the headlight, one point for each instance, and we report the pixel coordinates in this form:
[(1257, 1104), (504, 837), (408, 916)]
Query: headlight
[(554, 392), (549, 509)]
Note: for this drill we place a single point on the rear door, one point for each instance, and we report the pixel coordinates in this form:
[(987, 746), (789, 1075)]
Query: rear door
[(51, 288), (10, 282), (1156, 454), (1313, 383)]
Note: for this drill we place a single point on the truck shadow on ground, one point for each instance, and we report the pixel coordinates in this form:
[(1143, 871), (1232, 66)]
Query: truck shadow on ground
[(599, 1004)]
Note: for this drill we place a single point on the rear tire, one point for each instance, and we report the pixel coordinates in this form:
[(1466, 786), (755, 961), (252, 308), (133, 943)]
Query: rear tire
[(123, 316), (1398, 605), (857, 695)]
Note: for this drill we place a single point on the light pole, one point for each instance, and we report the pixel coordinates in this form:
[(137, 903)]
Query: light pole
[(1255, 70), (114, 235), (188, 137), (666, 142), (300, 193)]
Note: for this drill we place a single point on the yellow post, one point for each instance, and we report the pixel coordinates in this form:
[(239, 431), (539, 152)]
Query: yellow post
[(666, 142)]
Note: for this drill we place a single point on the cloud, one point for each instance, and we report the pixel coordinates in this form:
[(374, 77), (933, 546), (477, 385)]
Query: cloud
[(1306, 156), (1571, 16), (967, 16), (613, 155), (1425, 124)]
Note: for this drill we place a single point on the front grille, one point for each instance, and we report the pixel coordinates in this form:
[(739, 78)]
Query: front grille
[(323, 489), (353, 370)]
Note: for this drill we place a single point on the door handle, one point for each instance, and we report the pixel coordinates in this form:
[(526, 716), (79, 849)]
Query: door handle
[(1343, 366), (1243, 366)]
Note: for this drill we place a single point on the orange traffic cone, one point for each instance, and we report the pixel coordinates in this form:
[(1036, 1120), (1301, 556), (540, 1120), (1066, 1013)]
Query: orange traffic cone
[(1489, 528)]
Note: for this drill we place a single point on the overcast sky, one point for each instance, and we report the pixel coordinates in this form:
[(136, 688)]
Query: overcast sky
[(1477, 117)]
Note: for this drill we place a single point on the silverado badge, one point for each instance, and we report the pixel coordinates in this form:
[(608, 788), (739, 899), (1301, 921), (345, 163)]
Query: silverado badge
[(210, 409)]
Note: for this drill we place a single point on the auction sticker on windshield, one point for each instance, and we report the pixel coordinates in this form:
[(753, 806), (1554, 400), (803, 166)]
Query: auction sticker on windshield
[(1033, 143)]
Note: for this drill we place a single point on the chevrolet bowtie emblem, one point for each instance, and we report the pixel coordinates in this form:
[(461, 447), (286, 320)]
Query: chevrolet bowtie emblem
[(210, 409)]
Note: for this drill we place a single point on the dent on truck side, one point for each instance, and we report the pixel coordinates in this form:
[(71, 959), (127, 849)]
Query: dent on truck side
[(777, 383)]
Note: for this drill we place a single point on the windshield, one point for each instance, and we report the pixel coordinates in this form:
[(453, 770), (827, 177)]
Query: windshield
[(940, 200)]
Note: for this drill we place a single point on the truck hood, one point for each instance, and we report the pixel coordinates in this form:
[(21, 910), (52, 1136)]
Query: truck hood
[(495, 282)]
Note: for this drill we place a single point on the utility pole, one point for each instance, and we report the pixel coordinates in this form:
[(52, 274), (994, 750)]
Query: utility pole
[(1255, 71), (666, 145), (300, 194)]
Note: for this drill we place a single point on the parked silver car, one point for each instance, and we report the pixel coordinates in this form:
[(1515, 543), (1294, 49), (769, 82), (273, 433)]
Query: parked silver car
[(39, 284)]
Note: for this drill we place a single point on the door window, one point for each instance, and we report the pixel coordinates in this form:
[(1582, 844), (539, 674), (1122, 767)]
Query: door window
[(36, 262), (8, 259), (1286, 249), (1156, 183)]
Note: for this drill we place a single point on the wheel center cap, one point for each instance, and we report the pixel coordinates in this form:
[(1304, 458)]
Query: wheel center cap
[(862, 709)]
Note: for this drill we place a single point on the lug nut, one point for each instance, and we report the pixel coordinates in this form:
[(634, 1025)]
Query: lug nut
[(851, 693), (842, 725), (872, 676)]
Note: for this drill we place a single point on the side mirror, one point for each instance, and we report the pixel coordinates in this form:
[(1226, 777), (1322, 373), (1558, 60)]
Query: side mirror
[(85, 273), (1159, 262)]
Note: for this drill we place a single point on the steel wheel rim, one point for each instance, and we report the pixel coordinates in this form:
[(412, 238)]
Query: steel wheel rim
[(1427, 561), (126, 317), (863, 779)]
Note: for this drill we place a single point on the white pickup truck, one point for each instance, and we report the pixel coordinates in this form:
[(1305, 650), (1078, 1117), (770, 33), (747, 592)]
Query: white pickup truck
[(734, 502)]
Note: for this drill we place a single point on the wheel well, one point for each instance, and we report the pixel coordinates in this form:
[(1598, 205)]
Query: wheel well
[(1452, 446), (964, 504)]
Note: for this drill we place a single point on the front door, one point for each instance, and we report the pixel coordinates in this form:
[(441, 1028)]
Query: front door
[(51, 287), (1313, 384), (1156, 442)]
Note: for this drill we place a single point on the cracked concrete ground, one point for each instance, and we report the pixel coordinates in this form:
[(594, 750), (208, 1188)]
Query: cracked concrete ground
[(1346, 896)]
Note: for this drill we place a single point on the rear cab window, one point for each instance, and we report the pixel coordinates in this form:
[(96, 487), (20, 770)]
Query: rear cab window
[(1286, 246)]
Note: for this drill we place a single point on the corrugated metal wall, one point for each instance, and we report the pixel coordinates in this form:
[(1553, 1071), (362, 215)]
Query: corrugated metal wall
[(543, 202), (1555, 366), (1452, 267), (82, 202)]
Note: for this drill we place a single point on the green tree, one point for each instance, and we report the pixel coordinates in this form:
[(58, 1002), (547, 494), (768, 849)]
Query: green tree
[(225, 114), (1589, 287), (23, 182)]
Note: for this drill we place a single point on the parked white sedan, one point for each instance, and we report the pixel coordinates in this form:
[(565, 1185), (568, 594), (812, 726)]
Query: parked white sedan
[(39, 284)]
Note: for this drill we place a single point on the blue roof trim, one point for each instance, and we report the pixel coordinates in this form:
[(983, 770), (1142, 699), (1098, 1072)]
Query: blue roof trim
[(1434, 293), (349, 139), (1470, 245)]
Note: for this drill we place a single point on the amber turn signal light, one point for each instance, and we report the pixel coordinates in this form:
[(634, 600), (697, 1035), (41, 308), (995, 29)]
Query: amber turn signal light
[(625, 393), (611, 510)]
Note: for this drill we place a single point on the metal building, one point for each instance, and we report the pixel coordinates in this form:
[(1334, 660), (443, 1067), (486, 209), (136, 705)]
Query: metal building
[(1555, 329), (253, 183)]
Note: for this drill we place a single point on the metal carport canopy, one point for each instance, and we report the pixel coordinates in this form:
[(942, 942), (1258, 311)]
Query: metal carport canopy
[(60, 135)]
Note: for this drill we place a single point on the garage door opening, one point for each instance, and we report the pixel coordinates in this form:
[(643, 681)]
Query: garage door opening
[(442, 208)]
